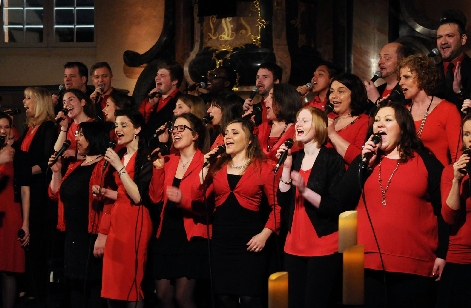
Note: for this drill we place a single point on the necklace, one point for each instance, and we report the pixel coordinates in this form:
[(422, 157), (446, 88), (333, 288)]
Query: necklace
[(239, 167), (380, 180), (184, 165), (91, 160), (279, 137), (352, 122), (421, 128)]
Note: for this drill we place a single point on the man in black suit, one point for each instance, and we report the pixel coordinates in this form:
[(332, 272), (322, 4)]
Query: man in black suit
[(455, 69)]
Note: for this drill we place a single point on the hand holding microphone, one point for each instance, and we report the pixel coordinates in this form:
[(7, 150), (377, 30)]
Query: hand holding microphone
[(211, 156), (157, 92), (305, 89), (283, 155), (370, 149), (58, 154)]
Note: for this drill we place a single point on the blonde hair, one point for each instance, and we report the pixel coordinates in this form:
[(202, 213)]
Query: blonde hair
[(44, 105), (319, 123), (195, 103)]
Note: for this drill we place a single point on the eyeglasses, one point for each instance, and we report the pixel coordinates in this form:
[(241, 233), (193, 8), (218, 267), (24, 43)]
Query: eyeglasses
[(180, 128), (215, 76)]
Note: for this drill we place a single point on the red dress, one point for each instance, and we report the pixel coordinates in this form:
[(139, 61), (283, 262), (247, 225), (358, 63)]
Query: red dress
[(12, 255), (126, 246)]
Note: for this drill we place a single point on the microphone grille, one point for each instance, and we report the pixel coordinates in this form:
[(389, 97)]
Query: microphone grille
[(378, 74), (101, 87), (202, 85), (309, 85), (255, 89), (61, 87), (112, 144), (289, 143), (66, 143)]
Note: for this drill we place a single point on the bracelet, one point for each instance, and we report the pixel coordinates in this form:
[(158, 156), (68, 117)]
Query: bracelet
[(287, 183), (121, 170), (63, 131)]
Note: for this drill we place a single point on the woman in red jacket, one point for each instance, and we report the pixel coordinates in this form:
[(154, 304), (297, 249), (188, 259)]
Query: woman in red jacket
[(180, 254), (456, 210), (80, 214), (238, 180)]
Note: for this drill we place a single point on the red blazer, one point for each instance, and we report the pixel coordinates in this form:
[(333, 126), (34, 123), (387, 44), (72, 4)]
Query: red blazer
[(257, 179), (263, 131), (194, 218), (98, 218)]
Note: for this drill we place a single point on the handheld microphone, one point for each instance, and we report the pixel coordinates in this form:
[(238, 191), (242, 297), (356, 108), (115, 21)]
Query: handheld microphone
[(207, 119), (257, 109), (13, 111), (2, 141), (168, 125), (212, 157), (304, 91), (289, 144), (254, 92), (59, 153), (434, 52), (101, 87), (154, 94), (65, 111), (163, 149), (61, 89), (376, 76), (329, 107), (111, 145), (376, 139), (195, 86)]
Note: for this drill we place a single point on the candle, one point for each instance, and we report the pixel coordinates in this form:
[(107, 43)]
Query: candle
[(278, 290), (347, 230), (354, 275)]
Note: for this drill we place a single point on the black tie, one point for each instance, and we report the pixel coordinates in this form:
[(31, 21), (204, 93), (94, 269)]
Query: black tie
[(449, 77)]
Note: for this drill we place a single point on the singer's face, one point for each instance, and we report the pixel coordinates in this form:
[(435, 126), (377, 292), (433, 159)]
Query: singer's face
[(74, 105), (215, 111), (467, 134), (385, 122), (271, 116), (73, 80), (5, 129), (217, 80), (408, 82), (102, 76), (82, 143), (109, 110), (235, 139), (304, 127), (181, 108), (184, 139), (341, 97), (124, 130), (321, 79), (164, 82), (30, 105), (388, 60), (264, 81), (449, 41)]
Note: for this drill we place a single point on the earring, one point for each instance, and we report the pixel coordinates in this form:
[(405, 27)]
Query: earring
[(135, 136)]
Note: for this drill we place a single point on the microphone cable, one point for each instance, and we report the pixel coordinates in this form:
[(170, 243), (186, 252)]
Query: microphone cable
[(205, 201), (277, 239), (360, 180)]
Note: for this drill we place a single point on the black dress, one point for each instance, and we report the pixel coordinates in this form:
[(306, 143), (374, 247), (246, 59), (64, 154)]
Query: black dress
[(175, 256), (79, 262), (235, 270)]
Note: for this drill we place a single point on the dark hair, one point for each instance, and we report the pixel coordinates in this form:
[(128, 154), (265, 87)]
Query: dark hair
[(424, 67), (122, 100), (274, 69), (254, 151), (175, 70), (134, 116), (100, 65), (231, 108), (286, 102), (454, 17), (3, 115), (403, 51), (82, 69), (97, 135), (89, 108), (359, 98), (202, 142), (465, 119), (332, 69), (408, 142)]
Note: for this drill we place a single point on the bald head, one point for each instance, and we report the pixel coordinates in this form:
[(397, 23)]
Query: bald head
[(388, 58)]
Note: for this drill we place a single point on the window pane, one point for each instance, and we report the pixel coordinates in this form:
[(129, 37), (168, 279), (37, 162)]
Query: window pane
[(34, 17), (85, 17), (85, 34), (81, 3), (64, 17), (34, 35), (14, 35), (13, 17), (64, 34), (15, 3), (65, 3), (34, 3)]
